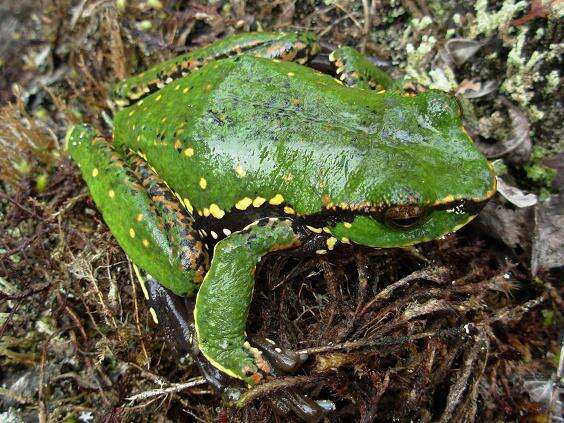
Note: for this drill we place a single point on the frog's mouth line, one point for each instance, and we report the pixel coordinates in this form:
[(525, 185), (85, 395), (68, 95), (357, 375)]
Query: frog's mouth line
[(347, 213)]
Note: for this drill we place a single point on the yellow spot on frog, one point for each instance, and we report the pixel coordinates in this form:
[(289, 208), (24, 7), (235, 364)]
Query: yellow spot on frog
[(326, 230), (213, 234), (289, 210), (226, 231), (243, 204), (216, 211), (347, 225), (185, 90), (132, 232), (291, 74), (188, 205), (276, 200), (139, 217), (154, 315), (345, 240), (189, 152), (331, 243), (241, 173), (316, 230), (111, 193), (206, 212), (177, 87), (158, 98), (145, 243), (259, 201), (95, 172), (203, 183)]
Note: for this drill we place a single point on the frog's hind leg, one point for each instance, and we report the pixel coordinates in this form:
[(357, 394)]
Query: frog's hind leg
[(274, 45), (152, 227), (356, 70)]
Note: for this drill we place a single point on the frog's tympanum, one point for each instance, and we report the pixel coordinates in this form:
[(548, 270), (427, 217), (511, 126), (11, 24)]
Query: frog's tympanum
[(239, 149)]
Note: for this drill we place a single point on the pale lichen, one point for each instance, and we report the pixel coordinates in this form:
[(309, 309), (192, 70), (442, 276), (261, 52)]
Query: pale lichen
[(417, 58), (495, 22)]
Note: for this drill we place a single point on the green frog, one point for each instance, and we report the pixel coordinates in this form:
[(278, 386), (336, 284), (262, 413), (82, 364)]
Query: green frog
[(239, 149)]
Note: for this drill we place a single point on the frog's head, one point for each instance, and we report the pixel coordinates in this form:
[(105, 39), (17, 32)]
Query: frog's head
[(424, 177)]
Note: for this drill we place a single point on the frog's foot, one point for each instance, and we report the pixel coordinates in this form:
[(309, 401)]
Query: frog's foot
[(305, 408), (355, 70)]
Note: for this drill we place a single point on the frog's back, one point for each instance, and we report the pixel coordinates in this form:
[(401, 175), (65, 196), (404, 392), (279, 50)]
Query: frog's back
[(258, 129)]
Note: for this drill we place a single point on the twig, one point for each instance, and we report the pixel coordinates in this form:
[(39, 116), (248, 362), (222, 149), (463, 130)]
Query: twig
[(385, 341), (175, 387)]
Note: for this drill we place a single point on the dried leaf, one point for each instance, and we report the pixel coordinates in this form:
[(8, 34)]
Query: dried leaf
[(476, 89), (511, 226), (461, 49), (517, 149), (515, 195), (548, 237)]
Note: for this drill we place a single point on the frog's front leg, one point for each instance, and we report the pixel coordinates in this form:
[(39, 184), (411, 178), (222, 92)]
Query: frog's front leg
[(355, 70), (223, 301)]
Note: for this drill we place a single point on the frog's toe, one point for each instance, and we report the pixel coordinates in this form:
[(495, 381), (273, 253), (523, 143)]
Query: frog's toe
[(304, 407), (281, 359)]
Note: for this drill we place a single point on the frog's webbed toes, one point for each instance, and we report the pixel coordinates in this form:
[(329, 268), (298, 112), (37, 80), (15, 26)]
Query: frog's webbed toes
[(304, 407)]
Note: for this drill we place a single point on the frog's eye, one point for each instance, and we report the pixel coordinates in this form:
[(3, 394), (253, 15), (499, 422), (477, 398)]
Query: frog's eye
[(404, 217)]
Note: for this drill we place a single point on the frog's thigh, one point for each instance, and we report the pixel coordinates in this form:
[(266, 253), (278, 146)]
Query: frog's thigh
[(222, 304), (355, 70), (282, 45), (138, 222)]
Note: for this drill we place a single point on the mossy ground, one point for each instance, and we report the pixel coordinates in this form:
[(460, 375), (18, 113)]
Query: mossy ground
[(459, 329)]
